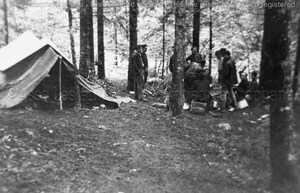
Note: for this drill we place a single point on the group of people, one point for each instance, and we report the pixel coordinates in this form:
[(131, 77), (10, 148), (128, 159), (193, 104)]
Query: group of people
[(232, 92), (197, 78), (198, 82), (139, 62)]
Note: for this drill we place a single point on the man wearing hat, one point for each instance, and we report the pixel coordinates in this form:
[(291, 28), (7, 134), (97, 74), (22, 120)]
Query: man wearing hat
[(172, 60), (229, 78), (145, 62), (138, 67)]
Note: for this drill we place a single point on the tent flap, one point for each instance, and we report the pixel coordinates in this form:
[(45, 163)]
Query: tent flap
[(100, 92)]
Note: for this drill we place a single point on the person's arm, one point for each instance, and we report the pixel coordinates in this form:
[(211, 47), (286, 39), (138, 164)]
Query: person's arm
[(242, 71), (210, 80), (145, 60), (140, 63), (171, 67), (189, 58)]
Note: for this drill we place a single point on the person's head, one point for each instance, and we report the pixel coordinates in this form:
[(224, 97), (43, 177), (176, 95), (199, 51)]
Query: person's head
[(173, 48), (194, 49), (202, 63), (222, 51), (244, 76), (206, 72), (139, 48), (144, 48), (226, 54), (218, 54)]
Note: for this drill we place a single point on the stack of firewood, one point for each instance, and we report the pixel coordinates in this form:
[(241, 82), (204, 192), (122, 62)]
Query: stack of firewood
[(105, 84), (157, 87)]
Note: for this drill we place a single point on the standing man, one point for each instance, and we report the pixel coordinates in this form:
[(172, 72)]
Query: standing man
[(145, 62), (172, 60), (229, 77), (137, 64), (220, 65)]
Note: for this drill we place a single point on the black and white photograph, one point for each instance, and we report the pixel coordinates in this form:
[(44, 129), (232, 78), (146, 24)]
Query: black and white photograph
[(149, 96)]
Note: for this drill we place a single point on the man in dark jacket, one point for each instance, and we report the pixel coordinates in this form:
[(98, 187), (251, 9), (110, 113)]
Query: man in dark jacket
[(220, 65), (243, 86), (253, 92), (219, 55), (145, 62), (137, 64), (229, 77), (172, 60), (195, 56)]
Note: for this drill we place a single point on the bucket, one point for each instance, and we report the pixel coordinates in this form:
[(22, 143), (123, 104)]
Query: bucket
[(215, 104), (242, 104), (186, 106), (198, 108)]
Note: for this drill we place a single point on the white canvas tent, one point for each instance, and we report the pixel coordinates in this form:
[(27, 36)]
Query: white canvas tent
[(29, 63)]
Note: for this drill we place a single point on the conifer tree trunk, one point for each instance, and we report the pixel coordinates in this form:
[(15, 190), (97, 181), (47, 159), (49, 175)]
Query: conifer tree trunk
[(116, 37), (272, 41), (77, 90), (176, 98), (6, 21), (86, 37), (90, 31), (133, 12), (296, 89), (127, 25), (296, 81), (276, 71), (210, 34), (100, 32), (164, 41), (196, 23)]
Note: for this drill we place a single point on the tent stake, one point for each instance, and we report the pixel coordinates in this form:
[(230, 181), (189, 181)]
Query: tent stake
[(60, 95)]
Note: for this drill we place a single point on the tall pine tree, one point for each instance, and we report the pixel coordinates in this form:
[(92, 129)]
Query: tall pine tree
[(100, 32), (276, 76), (133, 13), (6, 21), (296, 104), (196, 23), (86, 37), (176, 98), (210, 35), (72, 42), (116, 36)]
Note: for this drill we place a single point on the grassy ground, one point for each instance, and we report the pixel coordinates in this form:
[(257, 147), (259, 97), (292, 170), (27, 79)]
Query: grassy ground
[(137, 148)]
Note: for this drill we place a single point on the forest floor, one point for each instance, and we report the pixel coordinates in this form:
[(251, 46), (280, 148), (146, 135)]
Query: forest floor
[(134, 149)]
